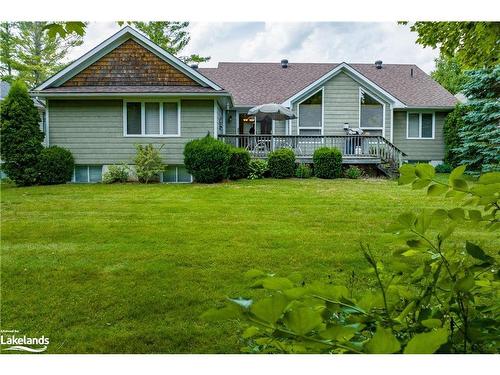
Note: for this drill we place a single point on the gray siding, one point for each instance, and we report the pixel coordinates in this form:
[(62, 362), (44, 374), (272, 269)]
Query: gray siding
[(419, 149), (93, 130), (231, 120), (341, 105)]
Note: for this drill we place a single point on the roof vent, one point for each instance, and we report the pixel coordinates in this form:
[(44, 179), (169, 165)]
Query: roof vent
[(411, 73), (194, 66), (284, 63), (378, 64)]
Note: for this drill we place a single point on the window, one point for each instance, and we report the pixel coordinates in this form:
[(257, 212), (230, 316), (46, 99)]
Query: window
[(310, 120), (420, 126), (176, 174), (152, 119), (133, 118), (371, 112), (88, 173)]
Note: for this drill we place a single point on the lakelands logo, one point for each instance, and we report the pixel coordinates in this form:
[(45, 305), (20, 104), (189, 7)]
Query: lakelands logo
[(12, 340)]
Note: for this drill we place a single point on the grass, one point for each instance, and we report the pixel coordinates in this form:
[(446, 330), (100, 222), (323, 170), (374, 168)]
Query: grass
[(130, 268)]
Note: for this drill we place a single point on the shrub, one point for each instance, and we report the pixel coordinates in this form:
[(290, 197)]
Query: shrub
[(207, 159), (257, 169), (115, 173), (148, 163), (20, 136), (444, 168), (303, 171), (281, 163), (353, 172), (55, 166), (239, 160), (327, 162)]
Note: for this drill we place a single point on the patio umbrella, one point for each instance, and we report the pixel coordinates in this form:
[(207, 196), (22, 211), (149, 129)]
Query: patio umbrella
[(273, 111)]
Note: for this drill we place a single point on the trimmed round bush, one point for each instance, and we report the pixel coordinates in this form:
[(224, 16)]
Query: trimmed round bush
[(207, 159), (281, 163), (303, 171), (115, 173), (257, 169), (327, 162), (55, 166), (353, 172), (239, 160), (443, 168)]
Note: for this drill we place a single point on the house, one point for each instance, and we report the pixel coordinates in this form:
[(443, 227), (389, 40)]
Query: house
[(127, 90)]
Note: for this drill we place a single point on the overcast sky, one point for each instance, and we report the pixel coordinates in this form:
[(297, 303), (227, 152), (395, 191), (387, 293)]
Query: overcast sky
[(298, 42)]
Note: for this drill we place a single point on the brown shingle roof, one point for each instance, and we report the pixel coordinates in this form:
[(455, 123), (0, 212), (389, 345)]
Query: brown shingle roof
[(258, 83)]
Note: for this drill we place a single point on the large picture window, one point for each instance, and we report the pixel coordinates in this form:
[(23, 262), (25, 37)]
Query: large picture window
[(371, 112), (311, 115), (152, 119), (420, 126)]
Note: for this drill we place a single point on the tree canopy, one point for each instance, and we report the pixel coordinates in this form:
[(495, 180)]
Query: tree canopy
[(449, 74), (173, 37), (473, 44), (31, 52)]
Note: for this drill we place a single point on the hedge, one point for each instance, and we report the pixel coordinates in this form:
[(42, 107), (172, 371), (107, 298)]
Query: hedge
[(327, 162), (207, 159), (281, 163)]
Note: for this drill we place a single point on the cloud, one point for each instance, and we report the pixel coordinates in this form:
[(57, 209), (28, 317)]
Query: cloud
[(299, 42)]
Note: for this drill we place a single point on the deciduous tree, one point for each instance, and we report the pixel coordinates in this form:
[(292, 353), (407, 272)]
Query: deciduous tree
[(473, 44)]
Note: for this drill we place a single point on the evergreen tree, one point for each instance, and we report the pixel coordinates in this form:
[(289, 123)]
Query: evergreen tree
[(171, 36), (20, 136), (40, 55), (480, 134)]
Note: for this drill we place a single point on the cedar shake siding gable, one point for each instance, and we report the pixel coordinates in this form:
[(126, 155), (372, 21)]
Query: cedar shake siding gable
[(130, 64)]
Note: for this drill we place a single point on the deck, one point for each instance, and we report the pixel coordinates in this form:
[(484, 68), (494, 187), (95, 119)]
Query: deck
[(356, 149)]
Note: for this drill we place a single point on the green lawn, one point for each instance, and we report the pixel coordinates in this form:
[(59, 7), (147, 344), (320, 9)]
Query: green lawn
[(129, 268)]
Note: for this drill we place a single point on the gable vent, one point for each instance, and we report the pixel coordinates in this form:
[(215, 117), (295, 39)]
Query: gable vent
[(378, 64), (284, 63)]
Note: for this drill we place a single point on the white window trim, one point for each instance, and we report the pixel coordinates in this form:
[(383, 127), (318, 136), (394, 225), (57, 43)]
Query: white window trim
[(420, 125), (361, 91), (47, 135), (143, 118), (322, 127)]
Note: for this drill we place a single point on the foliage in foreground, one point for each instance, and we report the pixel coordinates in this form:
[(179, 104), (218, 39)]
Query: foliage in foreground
[(431, 297)]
